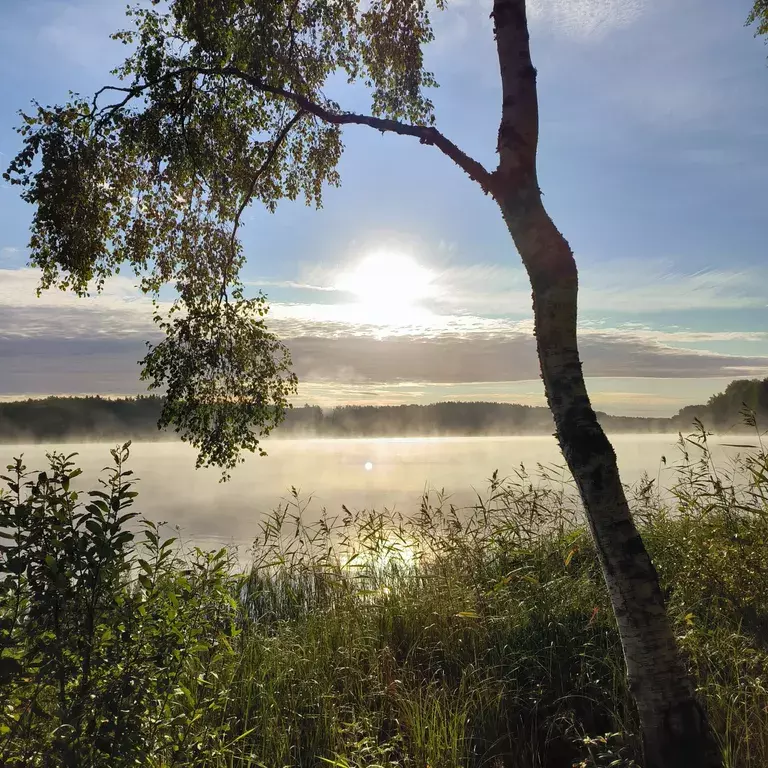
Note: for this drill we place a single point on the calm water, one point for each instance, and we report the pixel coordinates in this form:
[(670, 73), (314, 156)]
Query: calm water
[(360, 473)]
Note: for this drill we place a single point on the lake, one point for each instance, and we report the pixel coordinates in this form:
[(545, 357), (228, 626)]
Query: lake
[(361, 473)]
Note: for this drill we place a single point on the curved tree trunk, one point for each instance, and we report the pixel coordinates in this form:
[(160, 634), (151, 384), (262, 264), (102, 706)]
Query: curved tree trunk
[(674, 727)]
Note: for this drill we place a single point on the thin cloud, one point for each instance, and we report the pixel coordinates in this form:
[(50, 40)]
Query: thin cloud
[(9, 254), (267, 283), (18, 289), (636, 286), (120, 310), (108, 365), (627, 286), (575, 19), (453, 360), (583, 19), (467, 301), (66, 366)]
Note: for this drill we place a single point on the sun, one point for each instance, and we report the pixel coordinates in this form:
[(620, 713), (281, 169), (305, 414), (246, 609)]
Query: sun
[(388, 285)]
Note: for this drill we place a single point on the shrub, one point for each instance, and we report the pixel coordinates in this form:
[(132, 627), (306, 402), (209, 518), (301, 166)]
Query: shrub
[(109, 640)]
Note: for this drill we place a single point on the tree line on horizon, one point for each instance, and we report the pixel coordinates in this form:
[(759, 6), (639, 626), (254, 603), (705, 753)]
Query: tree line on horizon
[(96, 417)]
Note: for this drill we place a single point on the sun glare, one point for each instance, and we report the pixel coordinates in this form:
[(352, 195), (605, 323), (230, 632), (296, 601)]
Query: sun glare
[(385, 552), (388, 286)]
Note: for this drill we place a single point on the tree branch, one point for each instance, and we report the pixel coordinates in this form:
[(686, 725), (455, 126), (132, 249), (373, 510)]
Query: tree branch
[(274, 149), (425, 134)]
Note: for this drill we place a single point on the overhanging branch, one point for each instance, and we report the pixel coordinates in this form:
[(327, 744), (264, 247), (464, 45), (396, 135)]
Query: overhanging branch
[(425, 134)]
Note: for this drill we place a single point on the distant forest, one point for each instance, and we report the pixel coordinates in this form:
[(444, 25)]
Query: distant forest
[(95, 418)]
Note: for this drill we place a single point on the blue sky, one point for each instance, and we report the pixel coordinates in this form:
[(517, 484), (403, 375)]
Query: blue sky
[(653, 161)]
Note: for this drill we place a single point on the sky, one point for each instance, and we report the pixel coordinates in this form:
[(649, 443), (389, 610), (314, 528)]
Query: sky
[(406, 286)]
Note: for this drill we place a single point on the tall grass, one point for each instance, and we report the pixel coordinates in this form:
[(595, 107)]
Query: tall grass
[(449, 637)]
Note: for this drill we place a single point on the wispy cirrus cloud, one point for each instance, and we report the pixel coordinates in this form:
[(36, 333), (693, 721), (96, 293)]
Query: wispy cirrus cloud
[(291, 284), (10, 254), (636, 286), (656, 285), (579, 19), (585, 18), (626, 286)]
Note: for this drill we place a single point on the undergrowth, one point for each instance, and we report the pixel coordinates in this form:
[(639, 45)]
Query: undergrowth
[(450, 637)]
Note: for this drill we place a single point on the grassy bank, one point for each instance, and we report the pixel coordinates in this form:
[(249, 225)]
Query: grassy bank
[(478, 637)]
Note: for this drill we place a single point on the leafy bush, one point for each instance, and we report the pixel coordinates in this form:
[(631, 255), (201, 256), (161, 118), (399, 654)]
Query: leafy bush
[(108, 639)]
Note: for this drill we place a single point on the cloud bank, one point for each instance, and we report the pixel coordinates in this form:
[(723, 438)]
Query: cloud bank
[(60, 344), (108, 365)]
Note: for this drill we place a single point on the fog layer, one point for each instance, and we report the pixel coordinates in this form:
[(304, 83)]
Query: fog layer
[(360, 473)]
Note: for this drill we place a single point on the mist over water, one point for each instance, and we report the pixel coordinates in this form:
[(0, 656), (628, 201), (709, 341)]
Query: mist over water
[(360, 473)]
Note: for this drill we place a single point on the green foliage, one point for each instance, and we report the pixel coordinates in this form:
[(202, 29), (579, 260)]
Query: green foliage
[(742, 403), (453, 637), (111, 646), (759, 15), (222, 373), (219, 103), (749, 394)]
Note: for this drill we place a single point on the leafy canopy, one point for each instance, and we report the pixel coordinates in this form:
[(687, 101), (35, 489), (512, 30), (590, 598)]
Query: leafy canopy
[(219, 103), (759, 16)]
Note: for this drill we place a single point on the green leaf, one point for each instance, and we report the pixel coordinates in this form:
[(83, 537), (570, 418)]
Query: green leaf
[(94, 527)]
